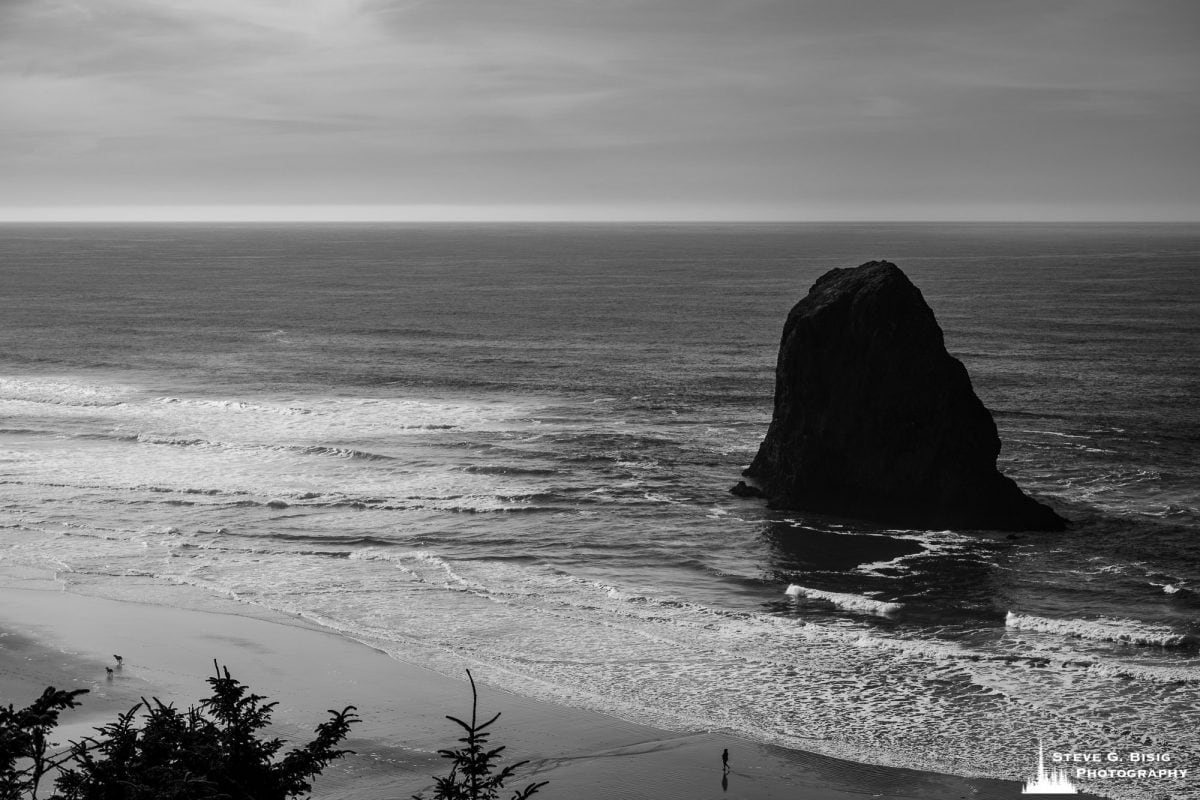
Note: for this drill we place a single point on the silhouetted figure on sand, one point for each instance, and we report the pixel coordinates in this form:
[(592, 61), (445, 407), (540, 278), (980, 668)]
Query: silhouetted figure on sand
[(725, 760)]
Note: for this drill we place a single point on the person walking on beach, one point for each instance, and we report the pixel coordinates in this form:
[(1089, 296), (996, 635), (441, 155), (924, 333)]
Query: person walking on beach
[(725, 760)]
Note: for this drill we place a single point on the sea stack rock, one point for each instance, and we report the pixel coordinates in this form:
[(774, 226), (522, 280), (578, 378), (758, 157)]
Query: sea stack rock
[(874, 419)]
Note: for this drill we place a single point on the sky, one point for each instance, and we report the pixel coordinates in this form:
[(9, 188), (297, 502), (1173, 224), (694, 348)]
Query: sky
[(600, 109)]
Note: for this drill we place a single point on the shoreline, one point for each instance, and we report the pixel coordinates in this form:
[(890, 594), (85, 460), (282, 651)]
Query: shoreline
[(51, 636)]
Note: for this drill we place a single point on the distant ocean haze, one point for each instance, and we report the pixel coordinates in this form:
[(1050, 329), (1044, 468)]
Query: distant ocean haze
[(509, 447)]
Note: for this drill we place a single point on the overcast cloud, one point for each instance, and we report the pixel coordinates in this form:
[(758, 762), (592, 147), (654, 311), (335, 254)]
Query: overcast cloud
[(613, 108)]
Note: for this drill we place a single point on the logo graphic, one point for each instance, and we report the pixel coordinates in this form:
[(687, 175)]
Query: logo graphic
[(1048, 781)]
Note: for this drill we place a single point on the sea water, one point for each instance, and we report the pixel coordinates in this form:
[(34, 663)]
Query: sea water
[(509, 448)]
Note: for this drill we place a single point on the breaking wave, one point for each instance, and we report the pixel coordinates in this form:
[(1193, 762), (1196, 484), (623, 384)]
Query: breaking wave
[(234, 405), (849, 602), (61, 392), (1103, 630)]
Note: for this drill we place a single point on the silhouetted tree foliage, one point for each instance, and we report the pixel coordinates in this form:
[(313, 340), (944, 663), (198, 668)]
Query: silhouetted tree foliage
[(155, 752), (473, 773), (24, 746), (210, 752)]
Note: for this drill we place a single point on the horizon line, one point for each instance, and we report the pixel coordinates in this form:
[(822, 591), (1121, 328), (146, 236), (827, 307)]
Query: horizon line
[(606, 221), (535, 214)]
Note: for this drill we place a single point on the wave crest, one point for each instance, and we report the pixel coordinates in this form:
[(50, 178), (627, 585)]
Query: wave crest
[(849, 602), (1104, 629)]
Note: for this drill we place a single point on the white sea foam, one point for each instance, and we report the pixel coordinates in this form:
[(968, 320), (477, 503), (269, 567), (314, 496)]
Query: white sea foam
[(1173, 586), (1103, 629), (850, 602), (420, 565), (1052, 433), (263, 449), (234, 405), (293, 421), (933, 543), (61, 392)]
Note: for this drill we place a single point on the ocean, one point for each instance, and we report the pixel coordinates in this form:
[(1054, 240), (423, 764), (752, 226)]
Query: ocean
[(509, 448)]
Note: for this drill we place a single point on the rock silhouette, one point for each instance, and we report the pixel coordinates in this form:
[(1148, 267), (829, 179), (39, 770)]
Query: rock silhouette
[(874, 419)]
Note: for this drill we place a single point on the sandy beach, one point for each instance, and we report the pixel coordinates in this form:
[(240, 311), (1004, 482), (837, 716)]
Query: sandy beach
[(54, 637)]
